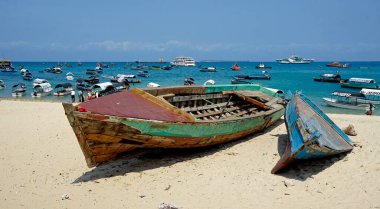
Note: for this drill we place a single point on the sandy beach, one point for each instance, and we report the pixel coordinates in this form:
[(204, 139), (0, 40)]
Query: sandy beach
[(42, 166)]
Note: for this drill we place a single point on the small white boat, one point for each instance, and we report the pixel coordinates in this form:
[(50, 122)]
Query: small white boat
[(41, 90), (69, 76), (341, 104), (348, 100), (153, 85)]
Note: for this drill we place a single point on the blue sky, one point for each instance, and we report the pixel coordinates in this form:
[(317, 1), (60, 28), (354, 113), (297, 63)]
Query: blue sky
[(127, 30)]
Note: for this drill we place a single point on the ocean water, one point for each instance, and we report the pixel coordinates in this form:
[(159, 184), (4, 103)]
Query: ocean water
[(287, 77)]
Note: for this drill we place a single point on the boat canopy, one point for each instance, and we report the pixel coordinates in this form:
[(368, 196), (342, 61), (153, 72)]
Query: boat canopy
[(347, 94), (21, 85), (330, 75), (63, 85), (69, 73), (373, 92), (39, 81), (362, 80), (102, 86), (125, 76), (42, 85)]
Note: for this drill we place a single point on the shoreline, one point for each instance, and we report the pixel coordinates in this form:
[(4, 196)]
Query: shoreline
[(42, 162)]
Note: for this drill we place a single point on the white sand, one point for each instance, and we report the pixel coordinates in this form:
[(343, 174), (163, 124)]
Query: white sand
[(41, 161)]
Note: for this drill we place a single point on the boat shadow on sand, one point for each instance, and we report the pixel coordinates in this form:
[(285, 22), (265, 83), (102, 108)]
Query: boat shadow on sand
[(303, 169), (148, 159)]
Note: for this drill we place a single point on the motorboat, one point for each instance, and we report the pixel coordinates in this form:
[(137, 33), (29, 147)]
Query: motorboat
[(262, 66), (2, 84), (294, 59), (189, 81), (208, 69), (153, 85), (183, 62), (143, 73), (6, 66), (41, 90), (107, 88), (235, 67), (69, 76), (27, 76), (328, 77), (63, 89), (359, 83), (348, 100), (18, 90)]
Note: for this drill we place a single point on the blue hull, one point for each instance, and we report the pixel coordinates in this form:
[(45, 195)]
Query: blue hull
[(311, 133)]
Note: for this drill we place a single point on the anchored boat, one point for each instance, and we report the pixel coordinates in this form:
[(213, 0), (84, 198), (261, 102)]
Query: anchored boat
[(311, 133), (170, 117), (359, 83)]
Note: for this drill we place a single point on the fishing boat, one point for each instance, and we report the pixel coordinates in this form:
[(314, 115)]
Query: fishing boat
[(208, 69), (241, 81), (333, 64), (143, 73), (2, 84), (312, 134), (90, 72), (264, 76), (69, 76), (170, 117), (347, 100), (81, 85), (294, 59), (41, 90), (183, 62), (359, 83), (18, 90), (63, 89), (99, 69), (235, 67), (167, 67), (92, 79), (152, 85), (262, 66), (189, 81), (155, 67), (6, 66), (120, 78), (107, 88), (371, 96), (27, 76), (39, 81), (24, 71), (328, 77)]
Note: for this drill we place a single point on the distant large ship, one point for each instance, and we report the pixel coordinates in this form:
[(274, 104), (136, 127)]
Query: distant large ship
[(184, 62), (295, 60)]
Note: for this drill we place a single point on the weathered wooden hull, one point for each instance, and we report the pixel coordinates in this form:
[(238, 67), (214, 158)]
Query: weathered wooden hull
[(105, 137), (311, 133)]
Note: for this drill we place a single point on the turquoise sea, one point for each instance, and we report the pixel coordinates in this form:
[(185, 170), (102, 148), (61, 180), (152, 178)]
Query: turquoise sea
[(284, 76)]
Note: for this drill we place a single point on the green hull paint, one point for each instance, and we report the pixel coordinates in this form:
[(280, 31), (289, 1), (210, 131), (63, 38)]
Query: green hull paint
[(199, 129)]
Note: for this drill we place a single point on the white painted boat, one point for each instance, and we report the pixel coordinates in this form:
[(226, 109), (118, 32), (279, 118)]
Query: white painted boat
[(69, 76), (41, 90), (345, 105), (153, 85)]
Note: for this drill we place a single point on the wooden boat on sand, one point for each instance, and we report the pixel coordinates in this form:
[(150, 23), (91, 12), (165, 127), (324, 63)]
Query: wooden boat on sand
[(311, 133), (170, 117)]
